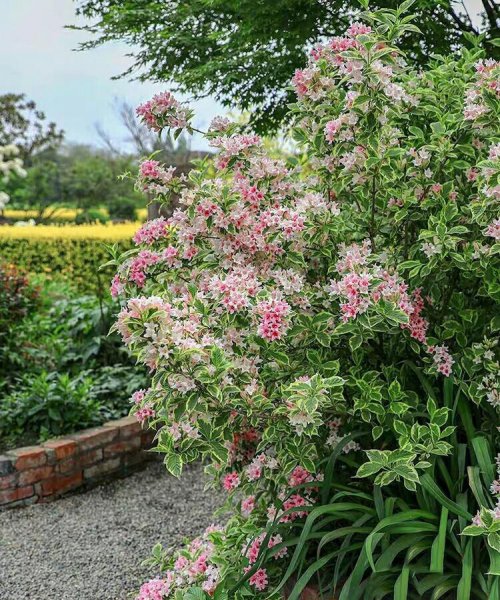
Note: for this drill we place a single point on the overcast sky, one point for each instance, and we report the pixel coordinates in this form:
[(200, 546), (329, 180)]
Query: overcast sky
[(75, 88)]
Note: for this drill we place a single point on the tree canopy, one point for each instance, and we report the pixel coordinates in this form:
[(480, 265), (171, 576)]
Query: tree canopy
[(244, 52), (25, 126)]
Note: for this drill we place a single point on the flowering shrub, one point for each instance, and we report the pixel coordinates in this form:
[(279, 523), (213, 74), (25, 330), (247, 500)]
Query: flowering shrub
[(9, 163), (326, 337)]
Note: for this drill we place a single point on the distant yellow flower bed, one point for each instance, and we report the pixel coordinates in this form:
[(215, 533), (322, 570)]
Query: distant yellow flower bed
[(60, 213), (107, 232)]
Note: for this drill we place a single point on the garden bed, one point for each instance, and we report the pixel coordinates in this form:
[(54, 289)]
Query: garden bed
[(41, 473)]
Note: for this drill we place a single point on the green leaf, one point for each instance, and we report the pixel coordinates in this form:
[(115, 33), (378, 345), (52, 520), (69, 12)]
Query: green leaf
[(367, 469), (194, 593), (474, 530), (439, 544), (323, 339), (355, 342), (401, 585), (484, 457), (407, 472), (173, 462), (494, 541), (430, 485), (308, 574), (494, 562), (391, 522), (464, 585)]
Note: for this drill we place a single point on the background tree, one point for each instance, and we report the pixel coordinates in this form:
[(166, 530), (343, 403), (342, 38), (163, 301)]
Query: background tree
[(78, 176), (244, 52), (145, 142), (24, 125)]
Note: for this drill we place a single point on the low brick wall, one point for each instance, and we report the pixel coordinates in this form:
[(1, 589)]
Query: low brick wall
[(41, 473)]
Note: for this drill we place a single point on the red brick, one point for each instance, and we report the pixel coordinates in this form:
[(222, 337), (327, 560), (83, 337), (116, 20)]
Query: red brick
[(135, 458), (28, 458), (18, 494), (35, 475), (59, 484), (6, 466), (91, 457), (67, 466), (128, 426), (92, 438), (122, 446), (102, 469), (8, 481), (62, 448)]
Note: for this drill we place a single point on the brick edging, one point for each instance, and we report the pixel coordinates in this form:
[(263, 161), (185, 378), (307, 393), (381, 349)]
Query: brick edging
[(41, 473)]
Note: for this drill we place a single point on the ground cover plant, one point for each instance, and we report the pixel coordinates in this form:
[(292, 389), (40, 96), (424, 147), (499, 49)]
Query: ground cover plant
[(59, 369), (324, 333)]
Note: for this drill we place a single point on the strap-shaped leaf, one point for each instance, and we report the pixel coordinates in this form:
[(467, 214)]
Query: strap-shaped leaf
[(439, 544), (430, 485)]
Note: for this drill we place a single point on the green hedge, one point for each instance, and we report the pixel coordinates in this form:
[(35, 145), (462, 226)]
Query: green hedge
[(77, 260)]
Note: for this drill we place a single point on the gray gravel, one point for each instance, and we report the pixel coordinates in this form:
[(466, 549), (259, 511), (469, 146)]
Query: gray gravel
[(89, 546)]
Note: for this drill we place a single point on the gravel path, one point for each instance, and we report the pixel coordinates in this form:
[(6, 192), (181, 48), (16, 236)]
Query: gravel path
[(89, 546)]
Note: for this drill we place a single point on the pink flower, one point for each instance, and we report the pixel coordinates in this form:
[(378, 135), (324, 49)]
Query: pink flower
[(146, 412), (253, 550), (358, 29), (163, 110), (259, 580), (231, 481), (138, 396), (294, 501), (199, 566), (117, 286), (247, 505), (274, 541), (493, 230), (298, 476), (254, 471), (151, 231), (181, 563), (442, 359), (273, 324), (331, 129), (156, 589)]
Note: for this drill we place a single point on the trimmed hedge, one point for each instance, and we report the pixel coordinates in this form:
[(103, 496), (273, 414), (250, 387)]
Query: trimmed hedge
[(77, 260)]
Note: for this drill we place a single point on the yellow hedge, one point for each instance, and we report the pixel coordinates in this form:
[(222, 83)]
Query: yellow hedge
[(74, 252)]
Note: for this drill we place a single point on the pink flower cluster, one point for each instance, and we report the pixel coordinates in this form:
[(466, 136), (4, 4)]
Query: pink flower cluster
[(163, 110), (273, 313), (231, 481), (363, 285), (140, 264), (156, 589), (417, 325), (332, 127), (145, 410), (192, 566), (151, 232), (493, 230), (154, 178), (259, 580), (487, 82), (442, 359), (235, 145)]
